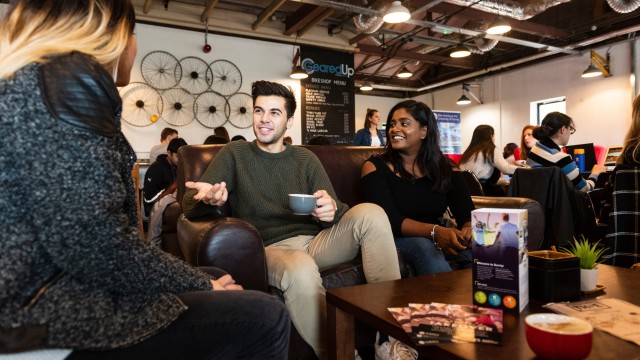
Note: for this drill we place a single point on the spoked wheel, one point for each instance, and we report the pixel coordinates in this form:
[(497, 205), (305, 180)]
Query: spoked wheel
[(241, 106), (161, 70), (141, 104), (211, 109), (196, 75), (178, 107), (227, 78)]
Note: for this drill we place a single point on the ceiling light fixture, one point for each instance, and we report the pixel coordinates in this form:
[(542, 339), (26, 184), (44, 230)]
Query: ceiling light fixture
[(464, 100), (460, 51), (404, 73), (366, 86), (499, 26), (297, 72), (396, 13), (601, 68)]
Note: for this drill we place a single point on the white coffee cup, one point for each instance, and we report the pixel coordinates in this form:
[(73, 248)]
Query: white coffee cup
[(302, 204)]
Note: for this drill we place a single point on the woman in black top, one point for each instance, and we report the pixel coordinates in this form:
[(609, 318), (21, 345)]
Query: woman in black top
[(415, 183)]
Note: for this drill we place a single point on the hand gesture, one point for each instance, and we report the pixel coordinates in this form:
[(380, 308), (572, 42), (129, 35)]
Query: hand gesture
[(225, 282), (325, 207), (216, 194), (449, 240)]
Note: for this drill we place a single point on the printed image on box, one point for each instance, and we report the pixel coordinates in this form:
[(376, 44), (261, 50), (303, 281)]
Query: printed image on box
[(500, 263)]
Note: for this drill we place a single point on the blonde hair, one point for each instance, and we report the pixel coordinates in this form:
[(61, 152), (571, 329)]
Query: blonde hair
[(34, 30), (632, 140)]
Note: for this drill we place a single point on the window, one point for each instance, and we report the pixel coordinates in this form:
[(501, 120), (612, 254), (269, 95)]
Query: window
[(540, 109)]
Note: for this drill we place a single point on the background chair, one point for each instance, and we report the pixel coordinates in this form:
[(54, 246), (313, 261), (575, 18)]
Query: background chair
[(475, 188), (568, 212)]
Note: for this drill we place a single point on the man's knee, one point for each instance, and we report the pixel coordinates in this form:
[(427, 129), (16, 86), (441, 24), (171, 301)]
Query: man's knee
[(297, 269)]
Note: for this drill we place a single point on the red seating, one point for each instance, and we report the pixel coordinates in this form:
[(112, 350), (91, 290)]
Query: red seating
[(454, 157)]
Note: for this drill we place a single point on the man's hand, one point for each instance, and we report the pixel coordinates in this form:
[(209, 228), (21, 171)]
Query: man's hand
[(225, 282), (325, 207), (216, 194)]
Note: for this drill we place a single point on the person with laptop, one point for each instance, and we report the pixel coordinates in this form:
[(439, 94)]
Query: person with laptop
[(555, 131)]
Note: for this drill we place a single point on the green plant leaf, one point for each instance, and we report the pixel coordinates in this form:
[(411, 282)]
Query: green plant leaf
[(589, 254)]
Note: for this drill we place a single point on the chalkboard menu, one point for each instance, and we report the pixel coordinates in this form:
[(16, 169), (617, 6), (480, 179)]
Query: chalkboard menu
[(328, 99)]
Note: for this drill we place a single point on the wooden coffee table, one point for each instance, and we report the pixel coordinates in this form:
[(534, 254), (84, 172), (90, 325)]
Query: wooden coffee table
[(369, 303)]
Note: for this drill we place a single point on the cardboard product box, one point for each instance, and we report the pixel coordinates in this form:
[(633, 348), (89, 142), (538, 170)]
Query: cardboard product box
[(500, 261)]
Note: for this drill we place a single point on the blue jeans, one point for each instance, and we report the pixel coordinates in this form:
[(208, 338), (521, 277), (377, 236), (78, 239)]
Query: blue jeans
[(426, 259), (218, 325)]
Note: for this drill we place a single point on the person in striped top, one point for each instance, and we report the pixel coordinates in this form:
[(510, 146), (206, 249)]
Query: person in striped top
[(555, 131)]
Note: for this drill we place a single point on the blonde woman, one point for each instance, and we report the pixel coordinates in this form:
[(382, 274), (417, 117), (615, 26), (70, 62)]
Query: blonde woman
[(74, 272), (631, 153), (370, 135)]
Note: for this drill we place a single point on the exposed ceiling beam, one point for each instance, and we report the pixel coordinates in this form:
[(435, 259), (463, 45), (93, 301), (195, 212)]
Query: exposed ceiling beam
[(325, 14), (301, 17), (522, 26), (208, 9), (408, 55), (268, 11)]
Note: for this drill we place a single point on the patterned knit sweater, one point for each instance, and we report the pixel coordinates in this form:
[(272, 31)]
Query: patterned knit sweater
[(259, 183), (547, 153), (69, 220)]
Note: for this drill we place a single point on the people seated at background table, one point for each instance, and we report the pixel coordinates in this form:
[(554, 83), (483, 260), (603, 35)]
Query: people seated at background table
[(319, 140), (222, 132), (75, 273), (160, 178), (298, 247), (484, 158), (215, 139), (370, 135), (507, 153), (166, 135), (526, 143), (415, 183), (555, 131)]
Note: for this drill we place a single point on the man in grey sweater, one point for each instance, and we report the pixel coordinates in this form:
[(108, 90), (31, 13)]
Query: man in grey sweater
[(257, 178)]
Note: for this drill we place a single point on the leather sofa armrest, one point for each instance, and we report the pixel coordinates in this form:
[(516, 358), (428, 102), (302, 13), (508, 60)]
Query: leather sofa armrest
[(536, 220), (228, 243)]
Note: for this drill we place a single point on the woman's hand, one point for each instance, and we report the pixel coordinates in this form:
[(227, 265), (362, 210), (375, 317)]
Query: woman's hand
[(225, 282), (450, 240)]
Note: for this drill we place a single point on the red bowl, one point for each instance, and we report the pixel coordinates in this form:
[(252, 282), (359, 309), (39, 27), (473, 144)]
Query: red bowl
[(555, 336)]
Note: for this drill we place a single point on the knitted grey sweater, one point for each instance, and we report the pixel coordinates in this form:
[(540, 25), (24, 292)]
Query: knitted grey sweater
[(71, 257)]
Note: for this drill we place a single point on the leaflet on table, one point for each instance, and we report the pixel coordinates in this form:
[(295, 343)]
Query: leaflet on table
[(615, 316), (441, 323)]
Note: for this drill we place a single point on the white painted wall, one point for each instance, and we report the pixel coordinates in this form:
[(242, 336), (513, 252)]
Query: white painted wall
[(600, 107)]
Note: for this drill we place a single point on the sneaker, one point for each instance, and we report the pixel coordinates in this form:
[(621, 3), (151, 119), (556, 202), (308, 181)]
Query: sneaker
[(394, 350)]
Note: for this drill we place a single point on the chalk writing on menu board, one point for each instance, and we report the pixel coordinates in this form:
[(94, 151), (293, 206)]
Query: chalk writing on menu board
[(327, 98)]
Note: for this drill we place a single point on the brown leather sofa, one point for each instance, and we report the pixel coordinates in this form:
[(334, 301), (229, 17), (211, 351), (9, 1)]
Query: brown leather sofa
[(236, 247)]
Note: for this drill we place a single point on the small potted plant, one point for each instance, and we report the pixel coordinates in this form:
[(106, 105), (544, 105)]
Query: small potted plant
[(589, 255)]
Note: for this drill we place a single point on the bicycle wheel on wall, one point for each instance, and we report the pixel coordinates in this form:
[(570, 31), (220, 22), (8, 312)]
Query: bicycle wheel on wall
[(227, 78), (211, 109), (161, 70), (241, 110), (178, 107), (196, 75), (141, 104)]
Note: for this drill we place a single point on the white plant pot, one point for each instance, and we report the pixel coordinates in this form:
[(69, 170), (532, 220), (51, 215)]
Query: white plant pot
[(588, 279)]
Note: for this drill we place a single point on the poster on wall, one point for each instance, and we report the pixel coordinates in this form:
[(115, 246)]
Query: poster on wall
[(328, 98), (450, 131)]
